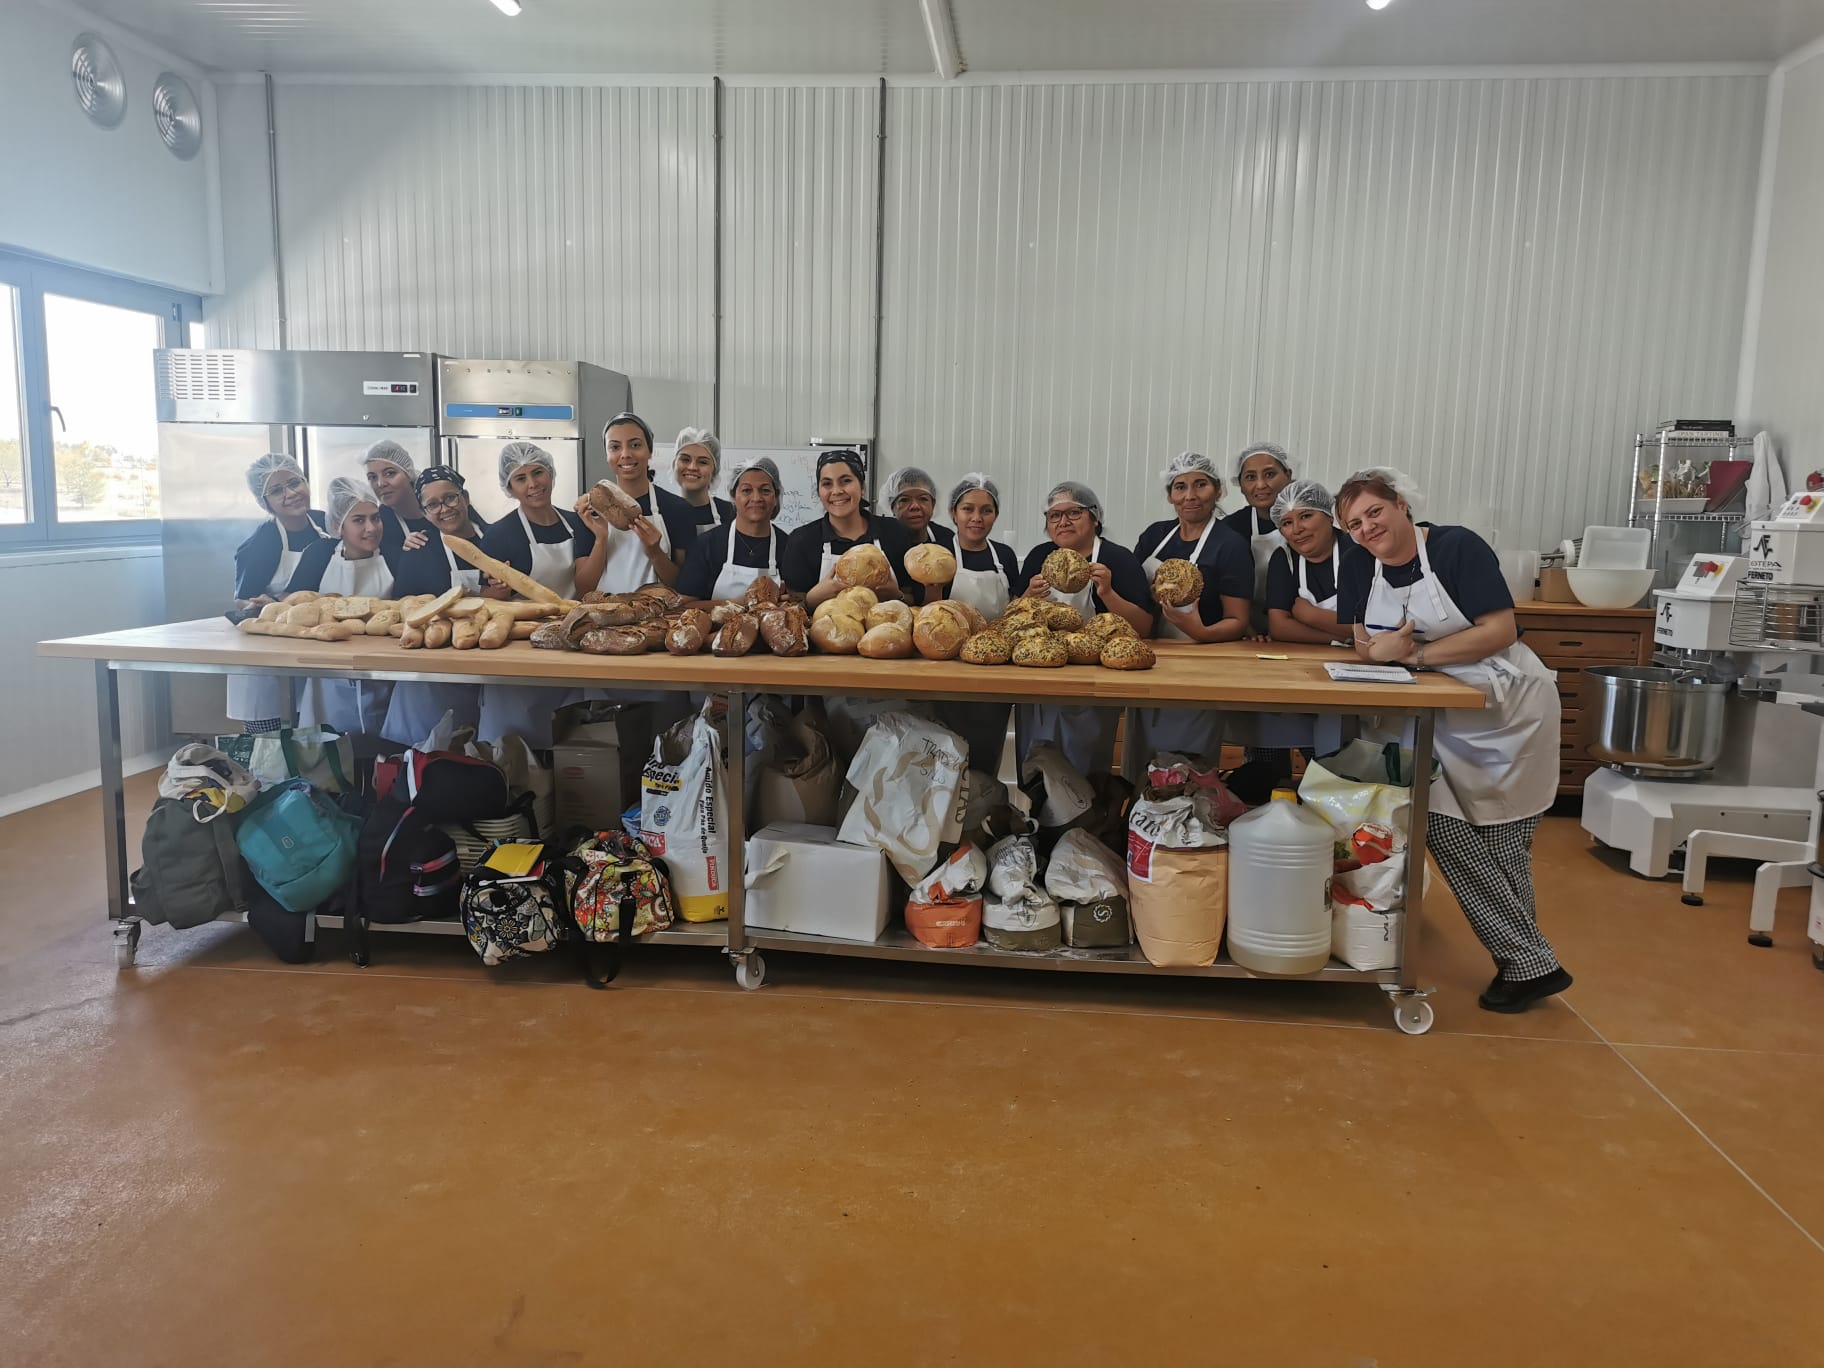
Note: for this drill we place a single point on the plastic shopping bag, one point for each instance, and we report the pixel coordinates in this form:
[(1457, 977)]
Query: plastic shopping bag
[(1363, 782), (906, 776), (684, 816), (945, 908), (1017, 913), (323, 757)]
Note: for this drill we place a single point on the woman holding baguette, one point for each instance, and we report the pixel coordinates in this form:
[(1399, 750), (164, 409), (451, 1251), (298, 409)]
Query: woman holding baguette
[(351, 566), (427, 566), (563, 551)]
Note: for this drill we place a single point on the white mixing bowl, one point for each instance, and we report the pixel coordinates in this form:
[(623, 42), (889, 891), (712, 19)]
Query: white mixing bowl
[(1610, 588)]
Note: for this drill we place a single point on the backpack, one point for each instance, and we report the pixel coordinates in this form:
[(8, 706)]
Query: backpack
[(507, 916), (615, 890), (299, 845), (444, 786), (406, 870), (191, 871)]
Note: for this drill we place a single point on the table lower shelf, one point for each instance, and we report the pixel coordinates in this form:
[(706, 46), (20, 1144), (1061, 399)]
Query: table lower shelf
[(896, 943)]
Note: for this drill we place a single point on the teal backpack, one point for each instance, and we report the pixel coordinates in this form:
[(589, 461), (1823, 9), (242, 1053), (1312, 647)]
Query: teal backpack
[(299, 845)]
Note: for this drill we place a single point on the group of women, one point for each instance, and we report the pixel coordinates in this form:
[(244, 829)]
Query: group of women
[(1292, 564)]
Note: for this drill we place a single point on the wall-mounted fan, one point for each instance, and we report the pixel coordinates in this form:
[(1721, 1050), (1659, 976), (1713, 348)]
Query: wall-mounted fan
[(101, 90)]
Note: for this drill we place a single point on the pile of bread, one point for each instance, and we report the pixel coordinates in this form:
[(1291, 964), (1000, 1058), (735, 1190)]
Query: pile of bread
[(448, 619), (655, 618), (1043, 633)]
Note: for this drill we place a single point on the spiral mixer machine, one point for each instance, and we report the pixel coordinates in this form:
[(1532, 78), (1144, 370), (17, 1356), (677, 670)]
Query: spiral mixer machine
[(1714, 750)]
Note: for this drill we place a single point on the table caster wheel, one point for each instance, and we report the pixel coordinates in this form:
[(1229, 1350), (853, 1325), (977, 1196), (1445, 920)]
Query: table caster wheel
[(1692, 899), (1413, 1015), (126, 944), (750, 970), (1817, 956), (1760, 939)]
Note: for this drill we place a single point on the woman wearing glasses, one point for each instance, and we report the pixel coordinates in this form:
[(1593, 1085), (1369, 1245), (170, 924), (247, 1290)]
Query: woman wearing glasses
[(263, 567), (1117, 584), (426, 566)]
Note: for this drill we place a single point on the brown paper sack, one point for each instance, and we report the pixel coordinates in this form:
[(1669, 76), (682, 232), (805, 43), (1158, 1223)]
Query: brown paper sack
[(1180, 911)]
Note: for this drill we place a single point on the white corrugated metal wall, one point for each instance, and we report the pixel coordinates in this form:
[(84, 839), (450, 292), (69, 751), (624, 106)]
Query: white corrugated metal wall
[(1489, 283), (1788, 391)]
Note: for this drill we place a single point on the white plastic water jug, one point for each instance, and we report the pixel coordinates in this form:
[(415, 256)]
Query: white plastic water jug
[(1280, 861)]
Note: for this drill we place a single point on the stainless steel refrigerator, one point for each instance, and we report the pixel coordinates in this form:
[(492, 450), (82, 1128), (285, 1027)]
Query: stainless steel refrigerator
[(217, 411), (560, 405)]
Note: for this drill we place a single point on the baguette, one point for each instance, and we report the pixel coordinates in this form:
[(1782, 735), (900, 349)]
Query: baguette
[(465, 607), (465, 634), (301, 596), (382, 623), (411, 638), (302, 615), (437, 633), (524, 610), (422, 615), (521, 584), (496, 631), (333, 631), (523, 629)]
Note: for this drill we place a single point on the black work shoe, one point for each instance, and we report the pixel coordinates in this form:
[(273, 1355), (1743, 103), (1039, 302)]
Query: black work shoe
[(1516, 995)]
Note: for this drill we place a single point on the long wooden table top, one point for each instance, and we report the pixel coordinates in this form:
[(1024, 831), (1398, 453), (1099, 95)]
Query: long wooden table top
[(1232, 675)]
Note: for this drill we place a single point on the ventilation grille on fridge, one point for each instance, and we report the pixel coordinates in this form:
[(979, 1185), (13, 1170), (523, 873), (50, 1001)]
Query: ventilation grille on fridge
[(197, 375), (100, 88), (180, 122)]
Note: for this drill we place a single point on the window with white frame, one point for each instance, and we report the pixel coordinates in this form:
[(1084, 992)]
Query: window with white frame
[(78, 420)]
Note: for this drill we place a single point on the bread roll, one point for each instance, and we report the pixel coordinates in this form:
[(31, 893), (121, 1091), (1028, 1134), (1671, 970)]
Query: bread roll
[(737, 636), (655, 629), (839, 634), (465, 634), (986, 648), (1059, 617), (727, 611), (977, 623), (785, 630), (941, 630), (764, 590), (1044, 651), (613, 641), (1177, 583), (669, 600), (614, 504), (380, 624), (930, 563), (1065, 571), (689, 632), (411, 638), (303, 615), (889, 641), (865, 566), (437, 633), (1106, 626), (1128, 653), (547, 636), (861, 597), (892, 611), (1081, 648)]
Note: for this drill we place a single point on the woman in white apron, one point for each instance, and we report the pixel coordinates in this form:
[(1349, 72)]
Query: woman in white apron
[(1261, 471), (392, 476), (351, 566), (668, 528), (1301, 604), (728, 561), (811, 553), (1196, 534), (263, 567), (1434, 598), (425, 565), (1073, 518), (696, 462), (987, 576), (564, 551)]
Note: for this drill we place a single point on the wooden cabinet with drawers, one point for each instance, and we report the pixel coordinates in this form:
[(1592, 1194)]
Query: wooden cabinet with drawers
[(1570, 638)]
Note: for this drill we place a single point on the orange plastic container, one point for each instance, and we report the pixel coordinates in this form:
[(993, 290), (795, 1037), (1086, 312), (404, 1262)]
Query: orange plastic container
[(955, 924)]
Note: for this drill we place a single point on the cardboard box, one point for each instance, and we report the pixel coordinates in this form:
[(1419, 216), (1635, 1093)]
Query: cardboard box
[(586, 775), (1555, 586), (800, 878)]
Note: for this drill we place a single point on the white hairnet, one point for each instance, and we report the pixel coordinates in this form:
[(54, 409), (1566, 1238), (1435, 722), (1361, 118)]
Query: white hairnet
[(1191, 462), (518, 455), (344, 494), (386, 449), (972, 481), (706, 439), (1277, 452), (1076, 493), (260, 474), (1303, 494), (766, 465), (1398, 481), (904, 480)]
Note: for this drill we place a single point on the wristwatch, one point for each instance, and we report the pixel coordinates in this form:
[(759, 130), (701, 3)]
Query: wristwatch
[(1418, 656)]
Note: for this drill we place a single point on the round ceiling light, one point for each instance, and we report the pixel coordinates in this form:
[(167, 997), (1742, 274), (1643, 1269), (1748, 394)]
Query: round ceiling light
[(180, 122), (101, 90)]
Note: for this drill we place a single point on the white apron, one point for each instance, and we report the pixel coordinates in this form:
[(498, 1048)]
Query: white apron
[(1261, 546), (736, 580), (525, 709), (628, 567), (1191, 732), (850, 718), (982, 725), (355, 706), (260, 698), (1313, 733), (417, 708), (1086, 736), (1500, 763)]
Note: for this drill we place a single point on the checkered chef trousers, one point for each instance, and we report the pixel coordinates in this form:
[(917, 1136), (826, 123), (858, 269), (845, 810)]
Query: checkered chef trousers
[(1490, 869)]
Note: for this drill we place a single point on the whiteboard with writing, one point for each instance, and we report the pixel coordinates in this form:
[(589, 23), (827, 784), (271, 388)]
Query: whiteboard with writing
[(798, 502)]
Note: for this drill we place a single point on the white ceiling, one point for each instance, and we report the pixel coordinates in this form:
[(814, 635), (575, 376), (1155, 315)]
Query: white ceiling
[(887, 37)]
